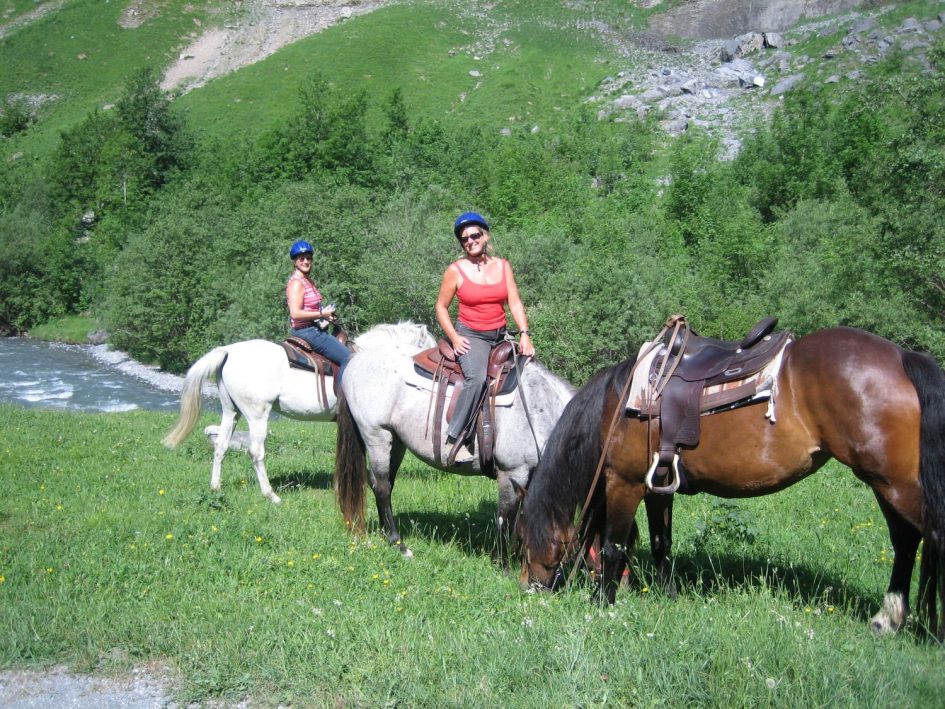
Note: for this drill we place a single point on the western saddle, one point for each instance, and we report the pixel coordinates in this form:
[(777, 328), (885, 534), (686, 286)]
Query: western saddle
[(691, 376), (440, 364), (302, 356)]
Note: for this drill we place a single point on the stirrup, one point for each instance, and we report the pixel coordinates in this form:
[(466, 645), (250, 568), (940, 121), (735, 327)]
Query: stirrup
[(455, 449), (673, 485)]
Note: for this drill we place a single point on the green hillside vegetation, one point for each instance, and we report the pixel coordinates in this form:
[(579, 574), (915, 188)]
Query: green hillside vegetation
[(167, 219), (78, 58)]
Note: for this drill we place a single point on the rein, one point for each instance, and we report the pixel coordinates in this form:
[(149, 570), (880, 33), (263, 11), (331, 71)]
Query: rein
[(676, 322), (510, 337)]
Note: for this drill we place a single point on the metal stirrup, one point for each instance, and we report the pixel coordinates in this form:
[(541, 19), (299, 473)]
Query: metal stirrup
[(673, 485)]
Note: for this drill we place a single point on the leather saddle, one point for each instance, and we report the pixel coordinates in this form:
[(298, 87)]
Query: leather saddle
[(441, 365), (692, 376), (302, 356)]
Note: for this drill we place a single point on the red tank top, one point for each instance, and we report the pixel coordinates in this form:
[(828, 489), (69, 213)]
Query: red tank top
[(311, 299), (482, 306)]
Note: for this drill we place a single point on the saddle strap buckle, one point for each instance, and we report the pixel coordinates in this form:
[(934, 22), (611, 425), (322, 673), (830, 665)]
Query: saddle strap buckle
[(674, 481)]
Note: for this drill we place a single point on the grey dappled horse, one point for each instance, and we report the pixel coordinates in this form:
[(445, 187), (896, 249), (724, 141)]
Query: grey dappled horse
[(253, 378), (383, 413)]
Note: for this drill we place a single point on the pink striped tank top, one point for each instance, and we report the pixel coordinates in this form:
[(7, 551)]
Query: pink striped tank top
[(311, 299)]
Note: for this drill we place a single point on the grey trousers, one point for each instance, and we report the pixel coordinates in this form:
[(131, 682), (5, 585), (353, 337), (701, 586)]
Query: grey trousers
[(474, 364)]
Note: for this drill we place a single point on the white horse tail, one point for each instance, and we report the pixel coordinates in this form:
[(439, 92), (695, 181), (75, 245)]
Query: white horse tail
[(350, 468), (191, 399)]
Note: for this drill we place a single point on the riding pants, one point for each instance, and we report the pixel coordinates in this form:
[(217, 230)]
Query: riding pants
[(474, 364), (326, 345)]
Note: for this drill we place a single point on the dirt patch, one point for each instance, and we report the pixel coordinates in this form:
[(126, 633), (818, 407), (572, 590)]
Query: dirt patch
[(31, 16), (138, 12), (145, 687)]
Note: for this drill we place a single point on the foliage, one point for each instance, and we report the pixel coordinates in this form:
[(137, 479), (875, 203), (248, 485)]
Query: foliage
[(175, 239), (15, 115)]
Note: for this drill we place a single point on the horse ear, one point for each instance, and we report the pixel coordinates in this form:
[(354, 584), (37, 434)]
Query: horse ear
[(520, 490)]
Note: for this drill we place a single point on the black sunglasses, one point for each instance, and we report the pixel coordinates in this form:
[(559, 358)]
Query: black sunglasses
[(464, 239)]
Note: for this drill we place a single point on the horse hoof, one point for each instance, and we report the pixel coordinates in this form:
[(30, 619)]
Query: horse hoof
[(405, 551), (891, 616), (276, 500), (881, 625)]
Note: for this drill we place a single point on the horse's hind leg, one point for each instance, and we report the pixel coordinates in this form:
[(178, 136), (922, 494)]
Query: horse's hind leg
[(905, 541), (224, 433), (258, 427)]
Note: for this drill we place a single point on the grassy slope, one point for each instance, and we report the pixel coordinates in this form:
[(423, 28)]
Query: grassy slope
[(43, 57), (428, 52), (539, 64), (537, 59)]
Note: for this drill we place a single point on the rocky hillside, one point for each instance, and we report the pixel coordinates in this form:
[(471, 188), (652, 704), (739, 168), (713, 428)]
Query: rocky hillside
[(717, 64)]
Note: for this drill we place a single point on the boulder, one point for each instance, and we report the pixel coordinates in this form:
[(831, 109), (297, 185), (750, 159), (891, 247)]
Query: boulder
[(786, 84)]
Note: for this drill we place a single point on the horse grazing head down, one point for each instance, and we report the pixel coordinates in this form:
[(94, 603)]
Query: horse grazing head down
[(559, 483), (544, 552)]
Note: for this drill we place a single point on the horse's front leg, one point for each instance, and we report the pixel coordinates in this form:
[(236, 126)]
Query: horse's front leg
[(507, 511), (622, 502), (905, 542), (659, 517), (386, 456)]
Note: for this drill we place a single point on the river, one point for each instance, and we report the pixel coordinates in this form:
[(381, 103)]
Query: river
[(41, 374)]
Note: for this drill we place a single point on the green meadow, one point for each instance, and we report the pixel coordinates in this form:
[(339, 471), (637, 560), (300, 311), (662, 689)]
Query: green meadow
[(115, 553)]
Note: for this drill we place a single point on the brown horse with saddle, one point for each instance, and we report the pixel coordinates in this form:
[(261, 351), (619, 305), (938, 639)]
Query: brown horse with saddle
[(838, 393)]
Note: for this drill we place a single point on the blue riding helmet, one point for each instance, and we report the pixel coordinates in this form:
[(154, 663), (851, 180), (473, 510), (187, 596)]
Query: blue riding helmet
[(467, 218), (301, 247)]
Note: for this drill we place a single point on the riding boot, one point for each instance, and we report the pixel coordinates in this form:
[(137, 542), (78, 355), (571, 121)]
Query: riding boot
[(460, 451)]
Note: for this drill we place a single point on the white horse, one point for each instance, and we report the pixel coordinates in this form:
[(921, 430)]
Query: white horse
[(385, 409), (253, 378)]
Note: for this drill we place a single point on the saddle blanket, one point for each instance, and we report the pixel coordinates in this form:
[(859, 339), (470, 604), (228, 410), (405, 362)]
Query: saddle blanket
[(641, 392), (418, 381)]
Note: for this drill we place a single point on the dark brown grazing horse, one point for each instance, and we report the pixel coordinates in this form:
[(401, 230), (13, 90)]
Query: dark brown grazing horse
[(841, 393)]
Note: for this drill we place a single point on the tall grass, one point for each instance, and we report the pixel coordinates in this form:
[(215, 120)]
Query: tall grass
[(113, 551), (70, 328)]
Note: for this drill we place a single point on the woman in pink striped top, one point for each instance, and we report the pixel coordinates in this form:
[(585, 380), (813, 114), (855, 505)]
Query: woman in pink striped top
[(306, 308)]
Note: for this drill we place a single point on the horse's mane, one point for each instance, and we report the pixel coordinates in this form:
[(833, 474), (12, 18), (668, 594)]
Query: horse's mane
[(560, 482), (405, 335)]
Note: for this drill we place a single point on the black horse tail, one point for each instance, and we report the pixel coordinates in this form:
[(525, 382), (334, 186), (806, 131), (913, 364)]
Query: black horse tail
[(929, 381), (350, 468), (563, 477)]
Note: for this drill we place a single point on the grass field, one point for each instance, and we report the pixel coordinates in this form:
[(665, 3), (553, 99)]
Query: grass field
[(115, 552)]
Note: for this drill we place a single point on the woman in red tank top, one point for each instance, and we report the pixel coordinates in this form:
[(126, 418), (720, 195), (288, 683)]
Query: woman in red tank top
[(484, 285)]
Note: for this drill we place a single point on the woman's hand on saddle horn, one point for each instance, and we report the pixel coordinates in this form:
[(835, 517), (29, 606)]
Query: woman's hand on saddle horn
[(460, 345)]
